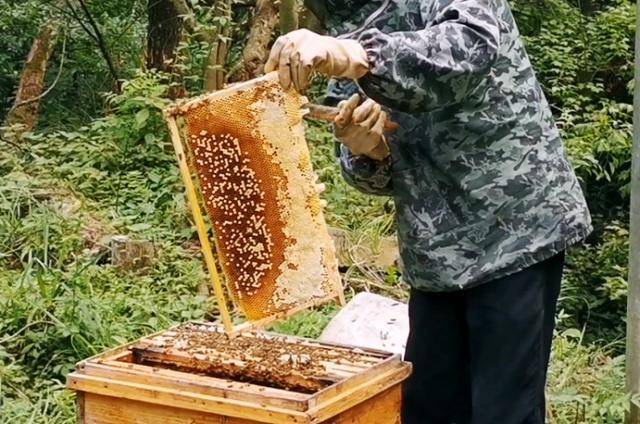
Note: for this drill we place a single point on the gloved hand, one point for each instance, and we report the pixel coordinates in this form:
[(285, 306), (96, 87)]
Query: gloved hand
[(361, 128), (297, 54)]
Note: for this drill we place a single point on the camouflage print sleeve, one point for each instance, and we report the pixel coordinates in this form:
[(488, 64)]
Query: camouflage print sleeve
[(365, 174), (437, 65)]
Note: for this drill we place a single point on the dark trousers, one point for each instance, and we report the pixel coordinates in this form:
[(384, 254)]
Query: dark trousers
[(480, 356)]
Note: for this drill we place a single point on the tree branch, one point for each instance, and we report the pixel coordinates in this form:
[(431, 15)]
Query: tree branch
[(74, 13), (102, 44), (288, 16)]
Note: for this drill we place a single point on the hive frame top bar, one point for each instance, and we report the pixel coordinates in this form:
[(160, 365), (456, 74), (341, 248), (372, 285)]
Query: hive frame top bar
[(180, 106), (173, 116)]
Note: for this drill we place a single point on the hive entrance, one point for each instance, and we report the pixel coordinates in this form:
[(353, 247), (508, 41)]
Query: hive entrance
[(256, 358), (245, 145)]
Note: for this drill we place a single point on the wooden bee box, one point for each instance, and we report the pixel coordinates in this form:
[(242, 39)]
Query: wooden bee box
[(195, 373)]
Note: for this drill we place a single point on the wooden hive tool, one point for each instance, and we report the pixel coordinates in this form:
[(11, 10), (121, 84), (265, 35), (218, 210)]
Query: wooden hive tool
[(329, 114)]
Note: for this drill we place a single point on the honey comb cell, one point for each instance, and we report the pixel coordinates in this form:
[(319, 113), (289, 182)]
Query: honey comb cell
[(248, 150)]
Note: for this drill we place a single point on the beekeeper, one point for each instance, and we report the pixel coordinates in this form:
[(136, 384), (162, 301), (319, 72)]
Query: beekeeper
[(486, 200)]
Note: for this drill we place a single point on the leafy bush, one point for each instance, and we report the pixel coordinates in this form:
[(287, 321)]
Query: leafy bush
[(60, 299), (586, 384), (595, 287)]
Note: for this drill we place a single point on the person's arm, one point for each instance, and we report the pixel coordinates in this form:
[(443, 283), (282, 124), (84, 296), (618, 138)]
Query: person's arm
[(441, 64), (365, 174)]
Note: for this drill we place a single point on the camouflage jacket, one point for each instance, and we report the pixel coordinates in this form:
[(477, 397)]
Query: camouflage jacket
[(478, 172)]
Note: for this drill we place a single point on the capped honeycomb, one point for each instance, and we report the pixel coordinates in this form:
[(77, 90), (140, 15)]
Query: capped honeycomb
[(257, 184)]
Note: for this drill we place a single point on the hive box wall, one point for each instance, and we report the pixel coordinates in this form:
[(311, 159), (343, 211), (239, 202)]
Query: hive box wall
[(383, 408)]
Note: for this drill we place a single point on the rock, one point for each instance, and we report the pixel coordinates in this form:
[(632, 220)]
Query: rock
[(131, 255), (370, 321)]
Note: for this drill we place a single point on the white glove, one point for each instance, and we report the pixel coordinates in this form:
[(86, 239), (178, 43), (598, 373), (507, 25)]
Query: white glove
[(299, 53), (361, 128)]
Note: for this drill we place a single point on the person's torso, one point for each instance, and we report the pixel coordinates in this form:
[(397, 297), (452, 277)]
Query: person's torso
[(480, 181)]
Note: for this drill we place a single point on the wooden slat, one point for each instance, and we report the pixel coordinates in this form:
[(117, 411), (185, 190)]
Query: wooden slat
[(80, 400), (383, 408), (109, 410), (199, 384), (203, 234), (122, 350), (185, 400), (347, 399), (358, 380)]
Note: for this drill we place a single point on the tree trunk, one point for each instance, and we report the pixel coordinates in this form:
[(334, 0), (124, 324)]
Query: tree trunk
[(26, 106), (214, 74), (310, 21), (167, 18), (256, 50), (288, 15)]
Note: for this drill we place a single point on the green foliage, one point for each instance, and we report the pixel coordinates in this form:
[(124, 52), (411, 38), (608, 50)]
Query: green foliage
[(124, 161), (60, 299), (585, 64), (586, 384), (307, 324), (31, 231), (595, 287), (600, 150)]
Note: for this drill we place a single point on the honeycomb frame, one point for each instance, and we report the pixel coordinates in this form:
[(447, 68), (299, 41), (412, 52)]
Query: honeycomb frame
[(246, 146)]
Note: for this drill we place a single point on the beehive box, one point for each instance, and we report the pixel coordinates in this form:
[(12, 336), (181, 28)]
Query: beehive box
[(195, 373)]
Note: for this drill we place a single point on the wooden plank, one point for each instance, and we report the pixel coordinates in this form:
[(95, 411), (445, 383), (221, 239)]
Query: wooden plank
[(383, 408), (203, 234), (109, 410), (348, 399), (122, 350), (199, 384), (80, 399), (185, 400), (285, 395), (358, 380)]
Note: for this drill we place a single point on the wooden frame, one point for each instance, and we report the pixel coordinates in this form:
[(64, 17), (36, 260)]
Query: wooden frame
[(192, 197), (171, 114)]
